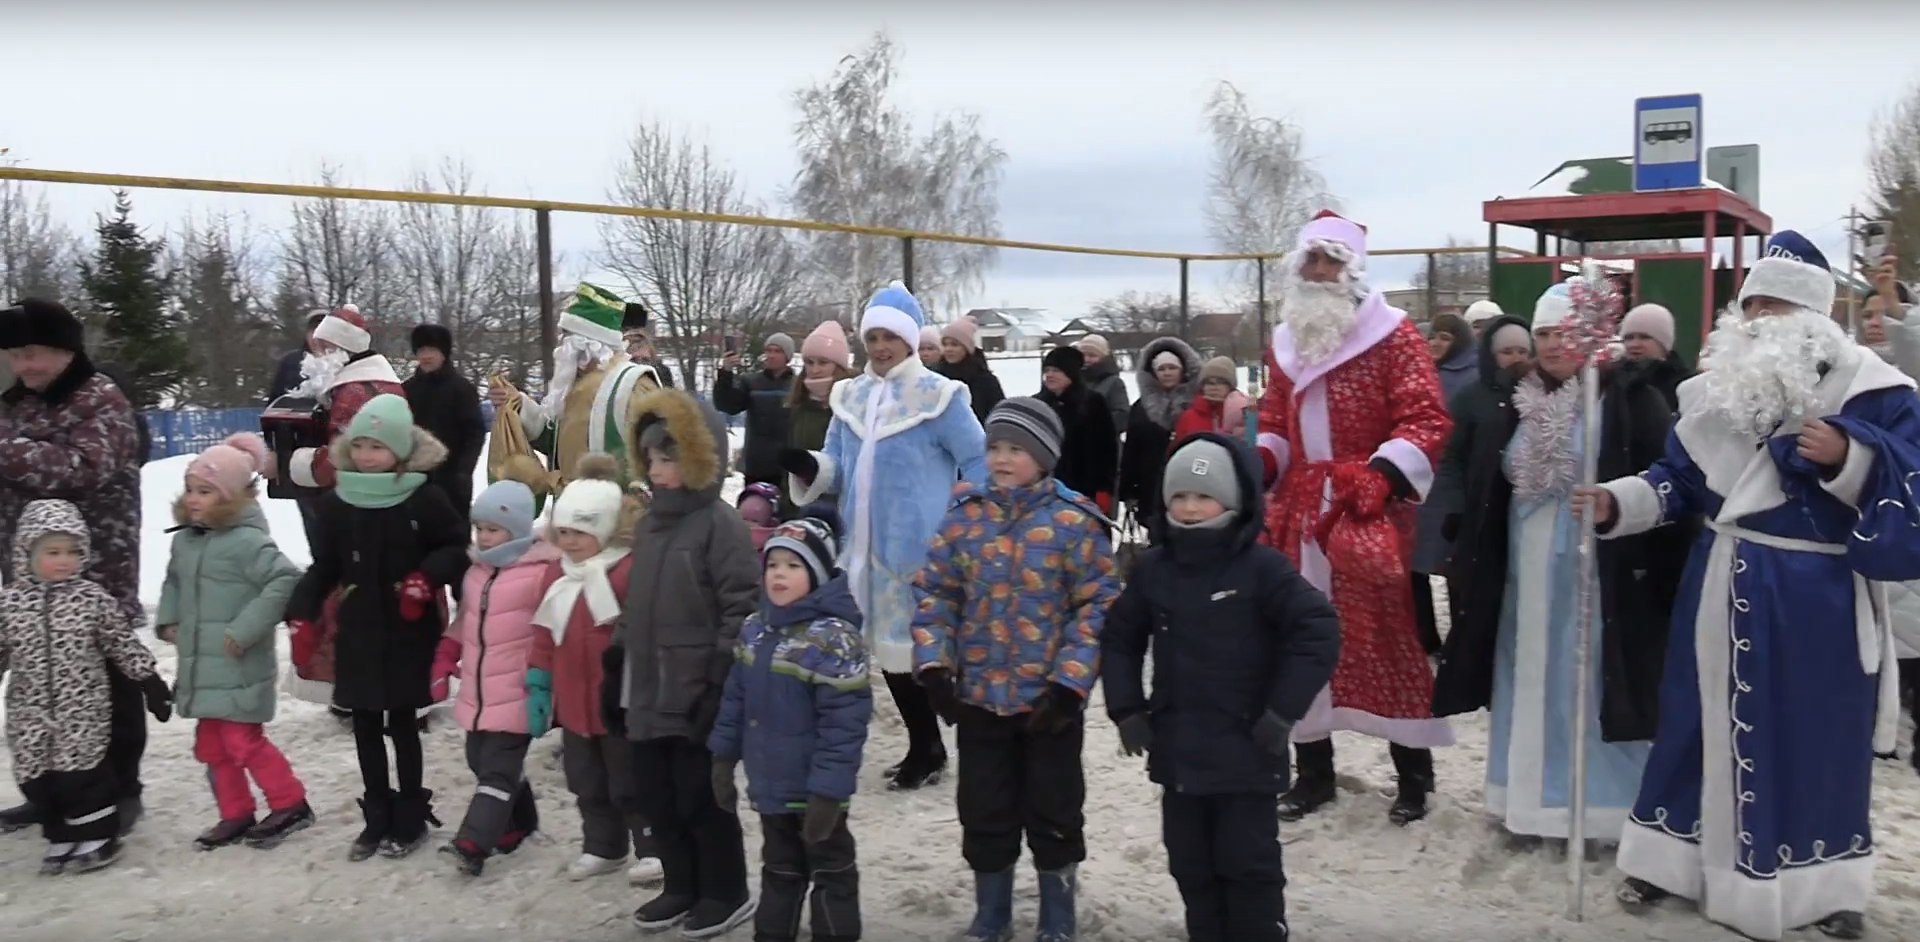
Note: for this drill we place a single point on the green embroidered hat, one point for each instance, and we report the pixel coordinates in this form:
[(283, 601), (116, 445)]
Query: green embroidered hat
[(595, 314), (386, 419)]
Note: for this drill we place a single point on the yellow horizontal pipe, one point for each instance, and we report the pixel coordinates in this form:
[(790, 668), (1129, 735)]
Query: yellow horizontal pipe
[(124, 181)]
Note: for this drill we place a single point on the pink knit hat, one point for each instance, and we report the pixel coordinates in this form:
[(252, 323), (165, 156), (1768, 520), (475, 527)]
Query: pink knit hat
[(828, 342), (230, 465), (962, 331), (930, 336)]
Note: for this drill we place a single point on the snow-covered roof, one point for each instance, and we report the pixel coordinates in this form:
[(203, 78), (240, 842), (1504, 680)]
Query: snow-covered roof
[(1590, 177)]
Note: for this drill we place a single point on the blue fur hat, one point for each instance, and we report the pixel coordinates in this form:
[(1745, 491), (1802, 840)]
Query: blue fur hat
[(894, 309), (1793, 271)]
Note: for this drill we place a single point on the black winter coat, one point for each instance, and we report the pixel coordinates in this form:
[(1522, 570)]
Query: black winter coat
[(1090, 453), (763, 397), (1665, 375), (1103, 380), (1150, 423), (1234, 631), (286, 376), (447, 404), (983, 388), (382, 661), (1639, 575)]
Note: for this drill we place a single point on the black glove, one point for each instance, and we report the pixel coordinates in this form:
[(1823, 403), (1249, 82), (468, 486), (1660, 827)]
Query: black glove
[(1055, 709), (1136, 733), (725, 793), (159, 698), (823, 815), (799, 462), (613, 676), (940, 693), (1271, 733)]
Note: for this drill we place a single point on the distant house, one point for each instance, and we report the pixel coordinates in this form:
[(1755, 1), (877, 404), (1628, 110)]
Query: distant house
[(1445, 301), (1013, 329)]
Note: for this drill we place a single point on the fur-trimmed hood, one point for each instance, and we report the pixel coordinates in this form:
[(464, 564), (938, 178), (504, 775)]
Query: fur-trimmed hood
[(1164, 406), (428, 452), (697, 430), (240, 510)]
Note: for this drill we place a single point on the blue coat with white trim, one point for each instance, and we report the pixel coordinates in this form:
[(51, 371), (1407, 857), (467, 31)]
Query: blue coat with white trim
[(798, 701)]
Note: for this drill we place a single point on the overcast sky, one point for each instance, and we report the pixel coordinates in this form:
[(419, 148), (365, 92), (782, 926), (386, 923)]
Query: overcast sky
[(1416, 113)]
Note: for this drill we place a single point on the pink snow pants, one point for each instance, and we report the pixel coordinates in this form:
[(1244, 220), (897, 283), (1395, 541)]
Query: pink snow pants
[(234, 751)]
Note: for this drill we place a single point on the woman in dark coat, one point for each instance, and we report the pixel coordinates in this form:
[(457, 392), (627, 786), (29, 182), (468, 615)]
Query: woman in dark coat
[(1456, 357), (962, 359), (1168, 374), (1512, 585), (1090, 452), (446, 403)]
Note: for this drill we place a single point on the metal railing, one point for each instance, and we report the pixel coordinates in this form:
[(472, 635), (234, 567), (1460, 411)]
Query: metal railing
[(543, 211)]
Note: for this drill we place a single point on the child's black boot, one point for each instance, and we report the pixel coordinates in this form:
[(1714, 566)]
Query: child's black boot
[(377, 809), (227, 832), (412, 815)]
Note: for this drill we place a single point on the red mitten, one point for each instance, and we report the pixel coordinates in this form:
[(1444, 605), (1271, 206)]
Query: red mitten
[(416, 593), (303, 637), (1104, 501), (1269, 470), (446, 666)]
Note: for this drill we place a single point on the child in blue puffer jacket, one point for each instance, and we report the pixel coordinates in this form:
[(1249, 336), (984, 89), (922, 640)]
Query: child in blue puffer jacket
[(1007, 644), (796, 707)]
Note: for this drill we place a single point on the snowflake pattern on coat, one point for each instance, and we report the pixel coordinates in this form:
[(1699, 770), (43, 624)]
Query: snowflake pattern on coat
[(55, 641), (1385, 392), (1015, 590)]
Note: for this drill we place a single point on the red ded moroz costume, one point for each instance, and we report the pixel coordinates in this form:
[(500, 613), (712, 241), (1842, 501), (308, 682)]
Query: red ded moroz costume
[(1357, 436)]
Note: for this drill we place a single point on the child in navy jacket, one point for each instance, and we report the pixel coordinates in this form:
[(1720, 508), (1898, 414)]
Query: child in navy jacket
[(796, 708), (1241, 644)]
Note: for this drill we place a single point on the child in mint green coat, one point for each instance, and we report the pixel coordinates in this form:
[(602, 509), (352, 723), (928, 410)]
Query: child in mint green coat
[(226, 585)]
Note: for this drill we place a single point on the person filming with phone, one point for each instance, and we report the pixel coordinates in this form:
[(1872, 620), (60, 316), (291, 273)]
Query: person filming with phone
[(762, 395)]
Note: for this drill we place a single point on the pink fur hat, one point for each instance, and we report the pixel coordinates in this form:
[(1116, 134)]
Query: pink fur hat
[(231, 465), (963, 331), (828, 342)]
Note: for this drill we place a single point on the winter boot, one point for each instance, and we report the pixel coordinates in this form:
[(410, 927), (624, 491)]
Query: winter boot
[(1058, 889), (19, 818), (55, 861), (377, 809), (992, 908), (1308, 795), (523, 818), (412, 814), (94, 855), (466, 856), (1636, 896), (279, 826), (1414, 768), (131, 811), (919, 772), (711, 917), (662, 912), (229, 831), (783, 899), (1843, 925)]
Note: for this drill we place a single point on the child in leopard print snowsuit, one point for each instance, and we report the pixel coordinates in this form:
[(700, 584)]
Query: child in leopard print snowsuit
[(57, 633)]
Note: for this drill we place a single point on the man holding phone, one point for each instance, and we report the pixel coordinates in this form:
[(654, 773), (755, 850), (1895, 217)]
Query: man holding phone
[(762, 395)]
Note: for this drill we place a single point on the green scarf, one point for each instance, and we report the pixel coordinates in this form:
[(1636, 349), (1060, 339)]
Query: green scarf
[(376, 491)]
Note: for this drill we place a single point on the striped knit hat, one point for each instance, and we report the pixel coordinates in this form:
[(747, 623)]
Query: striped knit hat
[(1030, 424), (811, 540)]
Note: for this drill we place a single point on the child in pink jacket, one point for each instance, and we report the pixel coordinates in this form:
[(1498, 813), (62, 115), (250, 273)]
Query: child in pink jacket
[(503, 704)]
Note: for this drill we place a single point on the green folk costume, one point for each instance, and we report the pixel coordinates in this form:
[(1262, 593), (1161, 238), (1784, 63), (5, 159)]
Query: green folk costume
[(598, 408)]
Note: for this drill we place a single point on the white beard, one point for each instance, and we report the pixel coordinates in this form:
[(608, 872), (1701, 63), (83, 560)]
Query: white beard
[(317, 373), (1320, 315), (1761, 373), (574, 354)]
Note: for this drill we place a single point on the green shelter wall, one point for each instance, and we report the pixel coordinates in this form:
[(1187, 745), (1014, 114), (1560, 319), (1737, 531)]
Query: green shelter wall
[(1675, 284), (1516, 285)]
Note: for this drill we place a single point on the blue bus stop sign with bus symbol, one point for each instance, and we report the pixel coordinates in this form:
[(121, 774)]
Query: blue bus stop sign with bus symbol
[(1666, 143)]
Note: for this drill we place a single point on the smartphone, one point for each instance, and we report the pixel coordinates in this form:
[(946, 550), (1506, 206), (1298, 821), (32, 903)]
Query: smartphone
[(1878, 235), (730, 343)]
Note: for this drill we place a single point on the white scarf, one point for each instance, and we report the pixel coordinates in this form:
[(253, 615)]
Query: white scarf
[(857, 549), (589, 577)]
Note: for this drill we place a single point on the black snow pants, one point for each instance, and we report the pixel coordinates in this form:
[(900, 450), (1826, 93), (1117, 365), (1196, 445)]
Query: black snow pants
[(1224, 854)]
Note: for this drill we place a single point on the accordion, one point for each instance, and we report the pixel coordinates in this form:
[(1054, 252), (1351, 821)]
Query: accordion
[(290, 423)]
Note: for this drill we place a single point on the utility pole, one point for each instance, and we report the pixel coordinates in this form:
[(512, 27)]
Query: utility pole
[(1853, 299)]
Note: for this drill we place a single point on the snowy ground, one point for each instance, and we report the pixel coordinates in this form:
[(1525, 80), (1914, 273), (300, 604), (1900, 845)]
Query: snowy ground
[(1355, 878)]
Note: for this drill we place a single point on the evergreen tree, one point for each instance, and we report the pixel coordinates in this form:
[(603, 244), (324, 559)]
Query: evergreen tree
[(128, 295), (233, 334)]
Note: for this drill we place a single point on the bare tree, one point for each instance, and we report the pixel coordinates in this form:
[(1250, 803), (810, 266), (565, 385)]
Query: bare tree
[(1893, 168), (39, 257), (861, 163), (1263, 188), (508, 340), (338, 251), (447, 258), (1455, 279), (220, 278), (1135, 312), (700, 280)]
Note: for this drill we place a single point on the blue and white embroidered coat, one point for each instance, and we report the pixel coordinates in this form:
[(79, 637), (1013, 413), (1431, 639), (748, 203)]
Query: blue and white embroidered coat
[(895, 449)]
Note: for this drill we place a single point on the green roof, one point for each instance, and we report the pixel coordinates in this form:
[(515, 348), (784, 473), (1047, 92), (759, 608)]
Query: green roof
[(1592, 176)]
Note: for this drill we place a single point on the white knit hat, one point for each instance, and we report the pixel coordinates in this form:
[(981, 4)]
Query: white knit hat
[(590, 506)]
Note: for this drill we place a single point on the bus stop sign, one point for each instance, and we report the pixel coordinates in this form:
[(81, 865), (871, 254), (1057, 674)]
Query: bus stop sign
[(1666, 143)]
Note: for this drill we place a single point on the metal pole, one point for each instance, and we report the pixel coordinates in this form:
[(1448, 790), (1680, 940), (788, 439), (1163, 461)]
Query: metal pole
[(906, 262), (1583, 622), (1433, 286), (1260, 310), (549, 339), (1183, 302)]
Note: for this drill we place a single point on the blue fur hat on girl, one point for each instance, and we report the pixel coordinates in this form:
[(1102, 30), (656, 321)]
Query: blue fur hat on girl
[(1791, 270), (894, 310)]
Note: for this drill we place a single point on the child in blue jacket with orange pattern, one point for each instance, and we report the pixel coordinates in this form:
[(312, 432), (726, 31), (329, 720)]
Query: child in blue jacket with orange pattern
[(1007, 643)]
